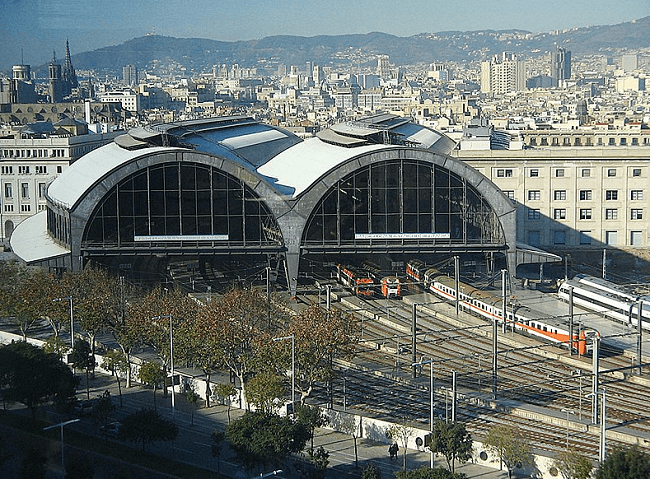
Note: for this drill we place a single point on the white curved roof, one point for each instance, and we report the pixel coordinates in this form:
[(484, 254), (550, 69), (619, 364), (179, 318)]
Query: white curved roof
[(301, 165), (31, 241), (83, 173)]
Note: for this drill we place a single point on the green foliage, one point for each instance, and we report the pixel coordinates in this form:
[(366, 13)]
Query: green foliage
[(147, 426), (82, 355), (31, 376), (151, 373), (56, 346), (317, 464), (311, 417), (103, 409), (401, 433), (452, 441), (428, 473), (509, 445), (224, 391), (260, 439), (263, 390), (625, 463), (371, 472), (573, 465)]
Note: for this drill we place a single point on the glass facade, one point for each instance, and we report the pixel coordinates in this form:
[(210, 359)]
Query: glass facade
[(402, 202), (181, 203)]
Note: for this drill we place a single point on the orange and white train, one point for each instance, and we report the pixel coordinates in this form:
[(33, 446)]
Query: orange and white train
[(489, 305), (365, 283)]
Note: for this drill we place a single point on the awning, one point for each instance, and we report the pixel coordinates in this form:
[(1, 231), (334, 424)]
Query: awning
[(530, 254), (31, 242)]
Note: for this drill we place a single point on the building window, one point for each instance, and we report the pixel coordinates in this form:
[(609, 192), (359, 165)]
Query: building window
[(534, 172), (636, 195), (623, 141), (585, 237), (611, 195), (585, 213), (559, 195), (611, 172), (636, 214), (8, 190), (636, 171), (559, 237), (7, 170), (611, 238), (41, 190), (533, 214), (9, 208), (585, 173), (41, 170), (510, 194), (559, 214), (534, 195), (636, 238), (611, 214), (559, 173), (25, 208), (533, 238), (585, 195), (23, 169), (504, 173), (611, 141), (24, 190)]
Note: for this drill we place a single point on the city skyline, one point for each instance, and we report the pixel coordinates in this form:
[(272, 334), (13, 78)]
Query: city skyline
[(33, 29)]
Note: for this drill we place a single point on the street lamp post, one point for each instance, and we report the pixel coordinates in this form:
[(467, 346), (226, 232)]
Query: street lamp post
[(603, 422), (60, 425), (292, 337), (171, 354), (431, 404), (567, 411), (68, 298)]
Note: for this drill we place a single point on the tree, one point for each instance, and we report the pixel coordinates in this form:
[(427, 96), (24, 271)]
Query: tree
[(151, 374), (83, 358), (103, 409), (402, 433), (425, 472), (264, 389), (265, 439), (147, 426), (31, 376), (573, 465), (510, 446), (311, 417), (225, 391), (155, 333), (625, 463), (317, 464), (192, 398), (348, 424), (55, 345), (452, 441), (217, 441), (320, 336), (115, 361), (371, 472), (241, 327)]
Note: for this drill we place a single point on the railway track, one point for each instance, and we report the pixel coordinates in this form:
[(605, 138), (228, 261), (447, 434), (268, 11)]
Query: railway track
[(537, 382)]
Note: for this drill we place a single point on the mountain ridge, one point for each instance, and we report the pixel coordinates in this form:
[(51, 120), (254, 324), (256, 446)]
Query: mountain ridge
[(200, 54)]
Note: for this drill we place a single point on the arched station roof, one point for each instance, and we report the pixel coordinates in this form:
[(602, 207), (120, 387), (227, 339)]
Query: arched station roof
[(286, 172)]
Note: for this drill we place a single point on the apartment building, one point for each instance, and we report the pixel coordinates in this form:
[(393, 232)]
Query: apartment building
[(573, 197), (29, 165)]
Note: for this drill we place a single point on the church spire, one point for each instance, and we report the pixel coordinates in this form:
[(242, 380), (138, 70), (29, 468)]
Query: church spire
[(69, 75)]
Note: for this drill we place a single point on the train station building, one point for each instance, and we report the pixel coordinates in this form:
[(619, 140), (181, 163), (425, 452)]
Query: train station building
[(233, 196)]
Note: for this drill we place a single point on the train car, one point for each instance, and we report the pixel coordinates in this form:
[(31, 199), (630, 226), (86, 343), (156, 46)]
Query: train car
[(391, 287), (489, 306), (415, 271), (360, 282), (605, 298)]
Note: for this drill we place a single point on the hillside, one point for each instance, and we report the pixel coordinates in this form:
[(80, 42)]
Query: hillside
[(198, 55)]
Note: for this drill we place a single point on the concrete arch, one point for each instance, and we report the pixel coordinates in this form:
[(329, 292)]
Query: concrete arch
[(293, 224), (80, 213)]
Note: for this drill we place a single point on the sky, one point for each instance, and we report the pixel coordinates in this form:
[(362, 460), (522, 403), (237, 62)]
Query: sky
[(34, 29)]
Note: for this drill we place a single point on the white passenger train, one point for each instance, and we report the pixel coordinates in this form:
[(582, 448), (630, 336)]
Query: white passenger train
[(489, 305), (606, 298)]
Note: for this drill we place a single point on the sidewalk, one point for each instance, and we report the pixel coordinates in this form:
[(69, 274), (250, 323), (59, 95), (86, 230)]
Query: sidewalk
[(193, 445)]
